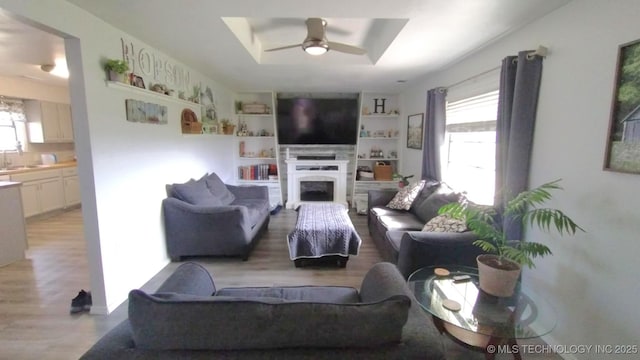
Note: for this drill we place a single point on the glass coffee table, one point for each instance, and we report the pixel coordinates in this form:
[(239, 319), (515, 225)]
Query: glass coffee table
[(476, 318)]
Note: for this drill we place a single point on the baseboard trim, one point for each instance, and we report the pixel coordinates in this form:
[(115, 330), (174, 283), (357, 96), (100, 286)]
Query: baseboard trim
[(99, 310)]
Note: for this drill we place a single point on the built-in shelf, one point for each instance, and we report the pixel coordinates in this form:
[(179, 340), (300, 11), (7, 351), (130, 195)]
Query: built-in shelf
[(387, 116), (254, 115), (240, 181), (255, 147), (208, 134), (377, 182), (255, 137), (379, 159), (378, 138), (136, 90)]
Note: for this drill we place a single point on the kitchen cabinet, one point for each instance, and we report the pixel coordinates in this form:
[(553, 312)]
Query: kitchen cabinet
[(13, 241), (51, 194), (42, 191), (71, 186), (64, 122), (48, 122), (30, 202)]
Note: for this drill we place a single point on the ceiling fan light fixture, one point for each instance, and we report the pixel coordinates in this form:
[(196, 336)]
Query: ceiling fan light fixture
[(59, 69), (315, 48), (316, 42), (47, 67)]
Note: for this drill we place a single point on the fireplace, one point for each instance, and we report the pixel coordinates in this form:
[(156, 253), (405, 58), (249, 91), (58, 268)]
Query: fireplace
[(316, 190), (316, 180)]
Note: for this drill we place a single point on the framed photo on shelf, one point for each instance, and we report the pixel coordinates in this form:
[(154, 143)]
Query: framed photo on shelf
[(138, 81), (622, 153), (415, 124)]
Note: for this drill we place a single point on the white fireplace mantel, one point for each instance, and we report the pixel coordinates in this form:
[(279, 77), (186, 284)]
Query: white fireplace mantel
[(316, 170)]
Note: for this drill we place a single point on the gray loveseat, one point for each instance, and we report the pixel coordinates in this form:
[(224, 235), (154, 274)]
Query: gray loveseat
[(188, 318), (398, 236), (206, 217)]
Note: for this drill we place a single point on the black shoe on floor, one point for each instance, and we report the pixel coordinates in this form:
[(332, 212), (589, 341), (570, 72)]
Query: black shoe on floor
[(89, 302), (80, 303)]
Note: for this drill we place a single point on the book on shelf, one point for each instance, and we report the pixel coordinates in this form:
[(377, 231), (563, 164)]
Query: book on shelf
[(257, 171)]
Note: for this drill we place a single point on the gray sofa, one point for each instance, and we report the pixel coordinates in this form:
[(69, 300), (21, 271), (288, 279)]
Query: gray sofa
[(206, 217), (188, 318), (399, 237)]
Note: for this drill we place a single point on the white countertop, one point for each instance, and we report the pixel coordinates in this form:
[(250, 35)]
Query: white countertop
[(33, 168)]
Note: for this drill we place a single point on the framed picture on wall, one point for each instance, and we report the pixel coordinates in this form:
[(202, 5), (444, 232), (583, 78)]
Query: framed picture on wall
[(623, 143), (415, 126), (138, 81)]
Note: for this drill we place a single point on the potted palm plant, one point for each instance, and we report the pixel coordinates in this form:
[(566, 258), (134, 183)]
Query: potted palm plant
[(116, 69), (227, 126), (402, 180), (499, 269)]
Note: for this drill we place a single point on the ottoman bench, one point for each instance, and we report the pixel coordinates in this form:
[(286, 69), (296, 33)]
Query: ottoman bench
[(323, 234)]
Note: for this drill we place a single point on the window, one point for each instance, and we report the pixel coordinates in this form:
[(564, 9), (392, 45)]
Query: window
[(470, 146), (12, 125)]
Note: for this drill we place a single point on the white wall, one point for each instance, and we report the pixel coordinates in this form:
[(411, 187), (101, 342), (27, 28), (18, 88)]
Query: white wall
[(123, 166), (413, 101), (590, 280)]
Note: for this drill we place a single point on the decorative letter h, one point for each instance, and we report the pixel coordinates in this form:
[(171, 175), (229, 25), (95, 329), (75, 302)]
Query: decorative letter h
[(377, 106)]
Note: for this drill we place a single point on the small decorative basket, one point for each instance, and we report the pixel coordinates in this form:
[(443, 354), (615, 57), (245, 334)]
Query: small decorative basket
[(382, 171)]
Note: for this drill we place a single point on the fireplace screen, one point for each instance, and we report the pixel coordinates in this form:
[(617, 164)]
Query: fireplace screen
[(316, 190)]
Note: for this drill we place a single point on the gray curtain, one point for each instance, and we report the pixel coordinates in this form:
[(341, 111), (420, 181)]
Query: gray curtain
[(433, 134), (519, 86)]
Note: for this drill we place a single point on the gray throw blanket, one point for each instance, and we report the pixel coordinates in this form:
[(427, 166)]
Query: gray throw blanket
[(323, 229)]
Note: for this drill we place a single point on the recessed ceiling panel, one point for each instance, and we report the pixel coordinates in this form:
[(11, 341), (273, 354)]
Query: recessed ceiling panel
[(24, 48), (260, 34), (438, 34)]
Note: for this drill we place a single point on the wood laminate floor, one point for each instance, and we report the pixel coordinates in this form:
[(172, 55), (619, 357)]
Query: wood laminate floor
[(35, 293)]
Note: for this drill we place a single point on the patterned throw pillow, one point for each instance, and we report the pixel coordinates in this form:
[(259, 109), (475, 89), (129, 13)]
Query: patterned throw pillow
[(445, 223), (404, 198)]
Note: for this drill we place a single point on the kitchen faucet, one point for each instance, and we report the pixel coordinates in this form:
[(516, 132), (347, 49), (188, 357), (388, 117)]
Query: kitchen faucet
[(6, 162)]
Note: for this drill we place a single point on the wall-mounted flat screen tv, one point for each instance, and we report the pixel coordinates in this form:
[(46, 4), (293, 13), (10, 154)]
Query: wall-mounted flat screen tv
[(317, 121)]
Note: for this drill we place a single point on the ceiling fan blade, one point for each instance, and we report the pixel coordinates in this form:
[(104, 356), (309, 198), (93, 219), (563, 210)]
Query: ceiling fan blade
[(349, 49), (284, 47), (279, 23), (315, 28)]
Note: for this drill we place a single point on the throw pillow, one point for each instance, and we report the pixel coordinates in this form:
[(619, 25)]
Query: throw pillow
[(195, 193), (219, 189), (404, 198), (445, 223), (430, 186), (427, 209)]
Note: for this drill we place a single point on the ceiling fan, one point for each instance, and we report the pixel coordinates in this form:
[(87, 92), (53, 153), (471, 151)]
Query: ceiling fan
[(316, 42)]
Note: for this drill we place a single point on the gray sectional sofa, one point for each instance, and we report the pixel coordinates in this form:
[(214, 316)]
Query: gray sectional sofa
[(206, 217), (188, 318), (399, 237)]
